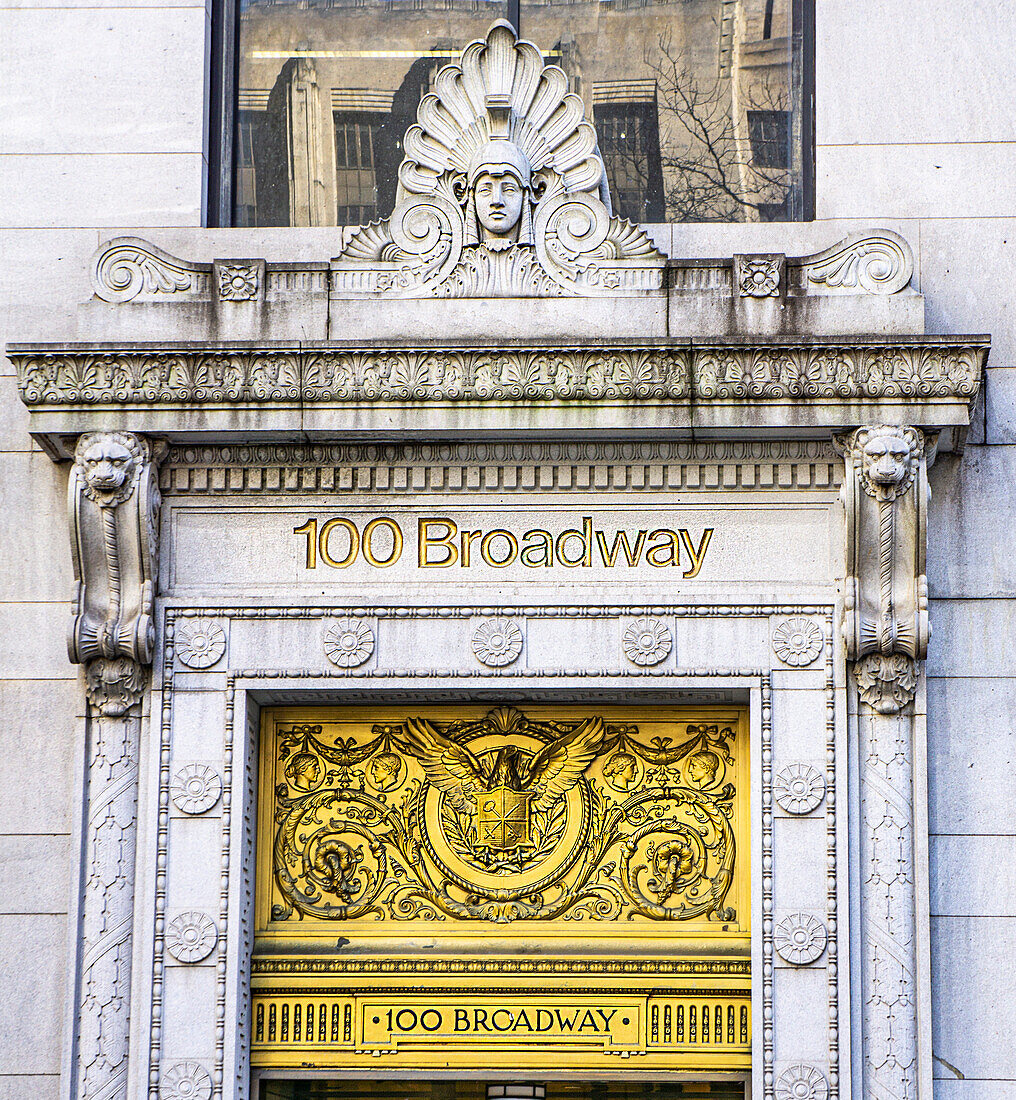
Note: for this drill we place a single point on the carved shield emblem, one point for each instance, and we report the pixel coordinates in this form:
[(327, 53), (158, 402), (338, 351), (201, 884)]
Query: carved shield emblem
[(502, 820)]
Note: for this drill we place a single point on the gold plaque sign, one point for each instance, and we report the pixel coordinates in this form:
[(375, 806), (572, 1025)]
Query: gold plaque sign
[(539, 819), (705, 1030)]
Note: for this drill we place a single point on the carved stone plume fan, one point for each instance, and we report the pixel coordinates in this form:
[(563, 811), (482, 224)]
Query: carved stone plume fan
[(500, 107)]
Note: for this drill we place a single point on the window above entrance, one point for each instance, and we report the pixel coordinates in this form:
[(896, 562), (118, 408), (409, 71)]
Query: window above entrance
[(696, 106)]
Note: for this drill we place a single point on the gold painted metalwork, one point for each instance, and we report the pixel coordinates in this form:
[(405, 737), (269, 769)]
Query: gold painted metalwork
[(381, 821), (544, 887)]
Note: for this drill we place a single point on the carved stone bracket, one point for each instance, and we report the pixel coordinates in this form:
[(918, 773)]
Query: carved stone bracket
[(885, 492), (113, 502)]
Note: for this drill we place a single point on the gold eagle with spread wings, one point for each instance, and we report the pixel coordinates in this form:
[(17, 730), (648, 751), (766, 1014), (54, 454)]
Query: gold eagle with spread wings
[(505, 789)]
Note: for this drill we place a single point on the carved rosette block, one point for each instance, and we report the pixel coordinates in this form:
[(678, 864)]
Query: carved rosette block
[(760, 276), (497, 642), (196, 788), (797, 641), (802, 1082), (191, 937), (185, 1081), (647, 641), (800, 939), (799, 789), (200, 643), (348, 643)]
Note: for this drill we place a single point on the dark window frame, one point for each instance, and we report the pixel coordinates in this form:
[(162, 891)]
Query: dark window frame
[(222, 82)]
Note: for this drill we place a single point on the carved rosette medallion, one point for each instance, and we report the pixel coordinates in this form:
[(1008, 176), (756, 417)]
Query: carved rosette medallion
[(503, 818), (647, 641), (497, 642), (348, 642), (238, 282), (758, 276), (802, 1082), (200, 643), (799, 938), (799, 788), (185, 1081), (797, 641), (195, 788), (191, 937)]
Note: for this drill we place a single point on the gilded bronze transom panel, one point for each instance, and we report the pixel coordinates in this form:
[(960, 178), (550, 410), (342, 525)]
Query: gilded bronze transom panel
[(541, 821)]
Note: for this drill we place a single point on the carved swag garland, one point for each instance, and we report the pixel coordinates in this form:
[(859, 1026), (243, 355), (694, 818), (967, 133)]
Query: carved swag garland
[(504, 819)]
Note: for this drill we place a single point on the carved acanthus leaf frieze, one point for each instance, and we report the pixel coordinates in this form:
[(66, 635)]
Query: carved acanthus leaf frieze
[(702, 372)]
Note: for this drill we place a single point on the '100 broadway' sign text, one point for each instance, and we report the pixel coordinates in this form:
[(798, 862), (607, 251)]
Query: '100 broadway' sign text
[(340, 541)]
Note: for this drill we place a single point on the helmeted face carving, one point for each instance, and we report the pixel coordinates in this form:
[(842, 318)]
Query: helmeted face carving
[(499, 198), (499, 181), (107, 465)]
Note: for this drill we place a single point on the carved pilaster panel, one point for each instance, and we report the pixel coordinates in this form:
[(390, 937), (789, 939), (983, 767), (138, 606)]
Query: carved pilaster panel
[(888, 908)]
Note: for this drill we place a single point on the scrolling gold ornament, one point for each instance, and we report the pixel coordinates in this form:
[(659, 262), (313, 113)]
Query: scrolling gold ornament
[(503, 818)]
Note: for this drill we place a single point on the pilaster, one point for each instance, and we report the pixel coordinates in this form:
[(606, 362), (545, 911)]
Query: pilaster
[(886, 631), (113, 503)]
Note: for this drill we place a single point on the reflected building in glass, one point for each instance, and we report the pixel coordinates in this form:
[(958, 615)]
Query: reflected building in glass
[(695, 102)]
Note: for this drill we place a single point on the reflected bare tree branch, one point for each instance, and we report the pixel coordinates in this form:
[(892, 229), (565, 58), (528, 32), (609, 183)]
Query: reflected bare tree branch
[(708, 167)]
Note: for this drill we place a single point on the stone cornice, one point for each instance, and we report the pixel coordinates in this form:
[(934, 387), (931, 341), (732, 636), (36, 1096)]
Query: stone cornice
[(728, 387)]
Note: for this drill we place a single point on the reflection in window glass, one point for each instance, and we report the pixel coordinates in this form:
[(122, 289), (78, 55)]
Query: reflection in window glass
[(695, 102)]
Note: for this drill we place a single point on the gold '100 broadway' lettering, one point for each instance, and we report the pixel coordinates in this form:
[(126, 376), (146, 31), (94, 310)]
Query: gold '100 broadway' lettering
[(441, 544)]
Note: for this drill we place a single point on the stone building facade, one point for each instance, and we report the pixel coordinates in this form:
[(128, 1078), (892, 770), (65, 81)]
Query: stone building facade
[(502, 644)]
